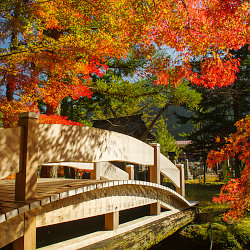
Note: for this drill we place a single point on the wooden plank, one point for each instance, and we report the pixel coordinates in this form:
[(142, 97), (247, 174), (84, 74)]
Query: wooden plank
[(11, 230), (22, 207), (4, 198)]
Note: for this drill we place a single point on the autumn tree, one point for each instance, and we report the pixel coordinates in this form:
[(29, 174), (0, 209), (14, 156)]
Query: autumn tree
[(50, 48), (120, 92), (237, 191), (219, 110)]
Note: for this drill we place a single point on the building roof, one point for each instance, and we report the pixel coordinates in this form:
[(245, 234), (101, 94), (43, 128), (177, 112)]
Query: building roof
[(183, 142)]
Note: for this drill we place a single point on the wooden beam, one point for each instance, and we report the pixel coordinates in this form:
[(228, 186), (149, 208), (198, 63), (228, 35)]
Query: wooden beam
[(95, 173), (112, 220), (154, 171), (26, 178), (155, 208), (154, 176), (181, 190), (28, 240), (11, 230), (106, 200), (130, 170)]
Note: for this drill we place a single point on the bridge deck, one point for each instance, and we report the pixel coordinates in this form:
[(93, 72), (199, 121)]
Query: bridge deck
[(48, 190), (63, 200)]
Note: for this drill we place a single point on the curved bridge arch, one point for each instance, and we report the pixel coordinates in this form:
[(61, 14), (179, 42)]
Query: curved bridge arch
[(108, 197), (92, 198)]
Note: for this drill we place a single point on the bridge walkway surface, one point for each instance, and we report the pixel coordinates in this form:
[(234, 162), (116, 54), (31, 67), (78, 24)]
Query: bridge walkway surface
[(63, 200)]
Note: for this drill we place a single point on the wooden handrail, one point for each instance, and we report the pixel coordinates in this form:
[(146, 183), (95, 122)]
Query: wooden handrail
[(60, 143)]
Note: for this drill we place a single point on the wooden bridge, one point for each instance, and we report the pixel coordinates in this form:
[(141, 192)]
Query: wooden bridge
[(28, 202)]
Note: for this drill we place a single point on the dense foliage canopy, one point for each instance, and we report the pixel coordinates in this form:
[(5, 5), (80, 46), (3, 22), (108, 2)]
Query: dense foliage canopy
[(50, 49)]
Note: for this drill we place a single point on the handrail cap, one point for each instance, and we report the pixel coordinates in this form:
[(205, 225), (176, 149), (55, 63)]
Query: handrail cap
[(28, 115)]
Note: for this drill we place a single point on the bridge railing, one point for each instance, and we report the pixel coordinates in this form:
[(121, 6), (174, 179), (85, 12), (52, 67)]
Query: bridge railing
[(24, 148)]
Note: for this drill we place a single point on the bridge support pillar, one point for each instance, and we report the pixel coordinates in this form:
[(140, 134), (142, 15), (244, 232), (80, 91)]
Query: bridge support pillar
[(181, 190), (28, 240), (155, 208), (154, 171), (95, 174), (155, 177), (112, 220), (130, 170), (26, 178)]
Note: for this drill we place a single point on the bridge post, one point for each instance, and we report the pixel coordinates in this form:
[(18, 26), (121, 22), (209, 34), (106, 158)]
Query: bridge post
[(130, 170), (181, 190), (112, 220), (26, 178), (154, 171), (155, 177), (95, 174)]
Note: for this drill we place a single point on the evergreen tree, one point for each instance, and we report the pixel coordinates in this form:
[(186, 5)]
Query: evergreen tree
[(164, 138), (219, 110), (121, 92)]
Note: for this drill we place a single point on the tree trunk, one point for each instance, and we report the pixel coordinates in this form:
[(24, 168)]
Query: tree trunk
[(237, 167), (69, 172), (204, 172), (48, 172)]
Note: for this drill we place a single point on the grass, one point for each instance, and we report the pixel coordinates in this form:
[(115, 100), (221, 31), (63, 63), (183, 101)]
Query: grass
[(225, 235)]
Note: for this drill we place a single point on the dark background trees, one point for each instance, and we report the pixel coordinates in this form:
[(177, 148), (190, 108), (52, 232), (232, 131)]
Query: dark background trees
[(218, 111)]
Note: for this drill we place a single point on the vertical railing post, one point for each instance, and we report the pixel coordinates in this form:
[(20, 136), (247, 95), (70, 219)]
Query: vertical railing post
[(26, 178), (181, 190), (155, 177), (154, 171), (131, 172), (95, 173), (186, 168), (112, 220)]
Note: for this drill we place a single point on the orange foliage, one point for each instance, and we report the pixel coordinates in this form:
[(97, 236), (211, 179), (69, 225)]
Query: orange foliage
[(56, 45), (237, 191), (57, 119)]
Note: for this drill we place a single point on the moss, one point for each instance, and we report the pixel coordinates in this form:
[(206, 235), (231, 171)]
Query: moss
[(222, 237), (225, 236), (241, 231), (195, 231)]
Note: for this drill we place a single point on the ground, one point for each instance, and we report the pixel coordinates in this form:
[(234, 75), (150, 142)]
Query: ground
[(225, 235), (197, 235)]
